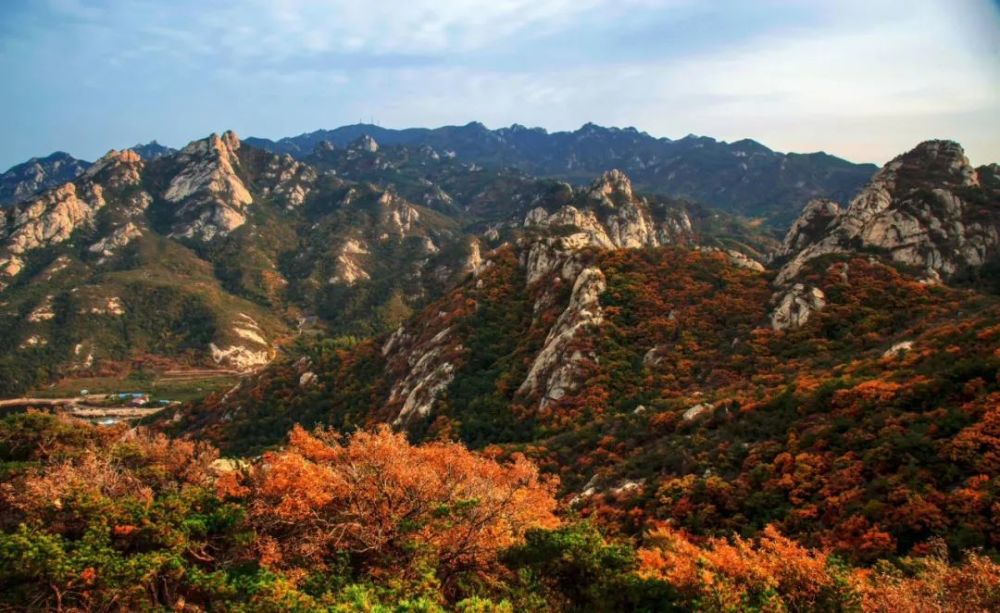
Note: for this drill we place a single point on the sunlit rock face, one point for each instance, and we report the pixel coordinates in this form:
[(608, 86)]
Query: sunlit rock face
[(553, 372), (211, 195), (926, 209)]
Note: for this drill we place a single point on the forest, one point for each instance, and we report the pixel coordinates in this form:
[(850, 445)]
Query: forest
[(112, 518)]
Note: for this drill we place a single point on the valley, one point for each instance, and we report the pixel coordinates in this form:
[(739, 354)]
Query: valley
[(537, 369)]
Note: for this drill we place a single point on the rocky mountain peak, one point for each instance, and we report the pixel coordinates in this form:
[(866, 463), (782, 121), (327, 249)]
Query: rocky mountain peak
[(365, 143), (613, 184), (942, 162), (152, 150), (324, 146), (209, 188), (117, 168), (926, 209)]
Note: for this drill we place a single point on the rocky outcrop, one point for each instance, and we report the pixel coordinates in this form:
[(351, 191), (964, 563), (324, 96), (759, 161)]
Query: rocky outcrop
[(736, 258), (239, 357), (288, 180), (244, 347), (42, 312), (795, 305), (117, 169), (397, 217), (898, 349), (119, 238), (111, 306), (429, 368), (810, 227), (552, 373), (365, 143), (614, 218), (47, 220), (349, 263), (211, 195), (926, 209)]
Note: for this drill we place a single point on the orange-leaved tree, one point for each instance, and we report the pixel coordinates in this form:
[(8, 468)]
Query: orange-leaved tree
[(773, 574), (392, 507)]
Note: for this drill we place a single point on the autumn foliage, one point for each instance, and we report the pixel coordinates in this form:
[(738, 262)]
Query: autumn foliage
[(774, 573), (389, 504)]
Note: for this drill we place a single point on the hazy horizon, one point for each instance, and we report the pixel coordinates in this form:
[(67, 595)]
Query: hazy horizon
[(861, 80)]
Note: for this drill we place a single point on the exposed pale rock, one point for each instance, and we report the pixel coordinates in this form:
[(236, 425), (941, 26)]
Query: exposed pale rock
[(736, 258), (474, 261), (429, 372), (365, 143), (86, 362), (52, 217), (610, 186), (247, 329), (624, 222), (117, 169), (120, 237), (42, 312), (912, 210), (348, 264), (627, 486), (307, 378), (113, 306), (34, 340), (11, 265), (239, 357), (397, 216), (811, 224), (796, 305), (211, 192), (898, 349), (58, 265), (289, 179), (697, 411), (552, 372)]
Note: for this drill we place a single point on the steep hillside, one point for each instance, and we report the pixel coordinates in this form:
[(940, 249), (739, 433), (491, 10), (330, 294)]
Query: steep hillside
[(742, 177), (928, 211), (218, 254), (212, 255), (665, 379)]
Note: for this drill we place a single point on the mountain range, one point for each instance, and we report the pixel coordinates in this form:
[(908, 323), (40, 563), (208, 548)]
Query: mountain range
[(672, 366), (840, 386), (743, 177)]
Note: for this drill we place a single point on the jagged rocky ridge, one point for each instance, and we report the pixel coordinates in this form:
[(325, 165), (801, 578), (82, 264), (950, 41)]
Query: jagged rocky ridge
[(744, 177), (551, 256), (257, 247), (927, 210), (245, 245), (27, 179)]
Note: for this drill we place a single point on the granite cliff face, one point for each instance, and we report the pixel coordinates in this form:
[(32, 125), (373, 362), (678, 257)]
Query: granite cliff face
[(607, 215), (211, 195), (927, 210), (53, 217), (553, 248)]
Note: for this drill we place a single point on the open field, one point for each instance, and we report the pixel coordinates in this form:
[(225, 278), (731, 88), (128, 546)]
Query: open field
[(173, 385)]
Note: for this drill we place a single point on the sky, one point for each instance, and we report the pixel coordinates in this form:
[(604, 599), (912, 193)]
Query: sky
[(862, 79)]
